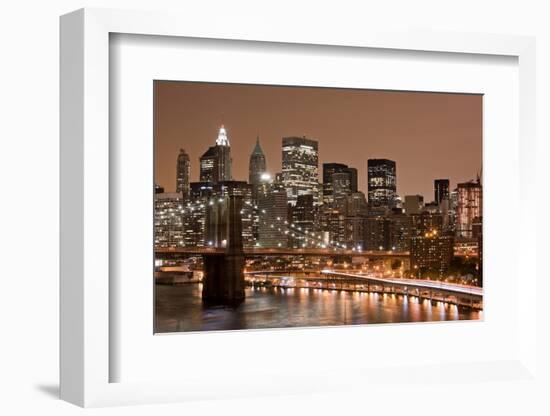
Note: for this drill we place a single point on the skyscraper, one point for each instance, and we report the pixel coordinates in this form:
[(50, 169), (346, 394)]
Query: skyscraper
[(441, 190), (256, 167), (381, 183), (303, 219), (183, 169), (469, 206), (215, 163), (330, 169), (300, 171), (341, 185), (168, 220), (272, 204)]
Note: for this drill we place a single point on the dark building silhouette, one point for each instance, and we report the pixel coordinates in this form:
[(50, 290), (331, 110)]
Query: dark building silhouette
[(441, 190), (329, 169), (381, 183), (256, 168)]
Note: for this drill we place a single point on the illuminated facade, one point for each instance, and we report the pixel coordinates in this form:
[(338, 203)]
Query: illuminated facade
[(431, 252), (303, 220), (381, 183), (273, 211), (168, 220), (469, 206), (215, 163), (300, 168), (183, 169)]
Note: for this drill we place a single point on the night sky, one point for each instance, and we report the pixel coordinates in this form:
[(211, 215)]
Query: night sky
[(429, 135)]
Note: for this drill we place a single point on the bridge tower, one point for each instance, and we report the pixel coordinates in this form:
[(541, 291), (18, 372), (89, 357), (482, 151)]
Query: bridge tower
[(223, 282)]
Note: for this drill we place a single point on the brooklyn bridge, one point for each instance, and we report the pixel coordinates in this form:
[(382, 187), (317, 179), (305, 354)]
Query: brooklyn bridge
[(224, 257)]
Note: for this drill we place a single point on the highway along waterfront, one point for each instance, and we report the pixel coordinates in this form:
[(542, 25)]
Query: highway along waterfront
[(282, 301)]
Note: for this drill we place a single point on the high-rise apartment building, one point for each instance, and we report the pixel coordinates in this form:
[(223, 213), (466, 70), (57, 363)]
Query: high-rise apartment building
[(431, 252)]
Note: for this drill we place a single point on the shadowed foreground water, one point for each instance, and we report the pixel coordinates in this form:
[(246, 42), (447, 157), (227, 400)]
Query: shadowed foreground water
[(179, 308)]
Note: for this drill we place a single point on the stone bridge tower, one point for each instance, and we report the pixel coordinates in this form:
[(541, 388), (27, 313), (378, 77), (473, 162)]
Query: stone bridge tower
[(223, 282)]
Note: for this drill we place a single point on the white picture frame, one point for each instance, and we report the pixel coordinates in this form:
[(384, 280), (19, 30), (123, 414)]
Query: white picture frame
[(86, 355)]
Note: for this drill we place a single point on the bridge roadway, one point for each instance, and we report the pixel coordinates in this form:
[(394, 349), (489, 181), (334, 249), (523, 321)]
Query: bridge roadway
[(420, 284), (262, 251)]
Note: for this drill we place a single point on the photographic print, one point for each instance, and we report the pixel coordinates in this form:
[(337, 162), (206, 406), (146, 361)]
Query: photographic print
[(290, 206)]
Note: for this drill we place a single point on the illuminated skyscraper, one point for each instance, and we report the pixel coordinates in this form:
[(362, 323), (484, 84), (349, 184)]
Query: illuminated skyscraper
[(381, 183), (182, 174), (215, 163), (300, 171), (168, 220), (256, 167), (273, 212), (469, 206)]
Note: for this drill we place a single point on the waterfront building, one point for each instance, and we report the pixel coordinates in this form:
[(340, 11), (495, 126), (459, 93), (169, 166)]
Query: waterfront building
[(183, 170), (381, 183), (469, 206), (300, 168), (441, 190), (256, 168), (215, 163), (431, 252), (168, 220), (413, 204)]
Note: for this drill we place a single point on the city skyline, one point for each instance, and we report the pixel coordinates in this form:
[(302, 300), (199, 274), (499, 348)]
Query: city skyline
[(347, 195), (413, 177)]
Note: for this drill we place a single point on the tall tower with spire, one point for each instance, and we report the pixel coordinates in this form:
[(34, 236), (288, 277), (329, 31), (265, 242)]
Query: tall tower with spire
[(215, 163), (182, 174), (256, 167)]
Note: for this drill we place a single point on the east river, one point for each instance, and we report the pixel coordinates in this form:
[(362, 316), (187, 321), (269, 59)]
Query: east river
[(179, 308)]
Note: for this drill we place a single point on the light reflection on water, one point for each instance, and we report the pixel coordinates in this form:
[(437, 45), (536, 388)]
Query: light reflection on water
[(179, 308)]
